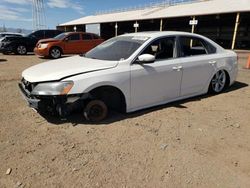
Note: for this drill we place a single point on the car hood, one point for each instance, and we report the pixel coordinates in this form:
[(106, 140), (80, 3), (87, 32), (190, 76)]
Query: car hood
[(48, 40), (65, 67)]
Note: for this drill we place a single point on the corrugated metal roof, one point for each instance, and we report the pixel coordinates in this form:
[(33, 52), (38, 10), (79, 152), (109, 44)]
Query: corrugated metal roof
[(191, 9)]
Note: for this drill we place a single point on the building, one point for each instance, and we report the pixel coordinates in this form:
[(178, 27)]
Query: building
[(225, 21)]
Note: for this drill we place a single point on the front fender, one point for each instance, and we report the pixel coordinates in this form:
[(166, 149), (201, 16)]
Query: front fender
[(119, 79)]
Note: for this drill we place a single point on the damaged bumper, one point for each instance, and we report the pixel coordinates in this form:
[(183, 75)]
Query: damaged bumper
[(55, 105), (33, 103)]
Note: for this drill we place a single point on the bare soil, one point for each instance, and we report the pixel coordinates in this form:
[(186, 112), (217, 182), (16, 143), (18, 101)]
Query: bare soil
[(201, 142)]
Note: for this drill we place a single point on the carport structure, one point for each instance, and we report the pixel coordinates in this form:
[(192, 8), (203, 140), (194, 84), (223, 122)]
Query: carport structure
[(225, 21)]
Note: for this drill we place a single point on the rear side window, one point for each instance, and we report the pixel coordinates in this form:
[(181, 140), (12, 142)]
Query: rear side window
[(191, 46), (86, 36), (95, 36), (162, 48), (74, 37)]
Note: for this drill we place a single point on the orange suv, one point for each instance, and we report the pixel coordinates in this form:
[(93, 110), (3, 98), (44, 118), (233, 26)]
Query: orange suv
[(67, 43)]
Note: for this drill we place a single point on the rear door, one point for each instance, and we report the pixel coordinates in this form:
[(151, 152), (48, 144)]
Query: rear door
[(87, 42), (198, 61), (73, 44)]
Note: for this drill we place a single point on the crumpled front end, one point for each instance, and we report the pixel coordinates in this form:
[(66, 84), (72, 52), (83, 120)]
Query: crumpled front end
[(60, 105)]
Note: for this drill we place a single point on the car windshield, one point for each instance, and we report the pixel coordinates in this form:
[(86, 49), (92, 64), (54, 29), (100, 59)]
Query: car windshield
[(8, 38), (118, 48), (61, 36)]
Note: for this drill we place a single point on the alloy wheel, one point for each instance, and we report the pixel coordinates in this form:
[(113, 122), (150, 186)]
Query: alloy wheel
[(55, 53), (21, 50), (219, 81)]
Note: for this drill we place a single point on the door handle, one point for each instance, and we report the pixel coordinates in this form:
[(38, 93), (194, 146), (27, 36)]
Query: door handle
[(212, 62), (177, 68)]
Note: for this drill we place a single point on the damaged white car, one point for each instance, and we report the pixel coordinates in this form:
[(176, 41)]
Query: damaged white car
[(128, 73)]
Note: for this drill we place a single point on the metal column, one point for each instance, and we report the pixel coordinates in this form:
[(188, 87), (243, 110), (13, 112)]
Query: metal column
[(161, 23), (193, 26), (116, 29), (236, 29)]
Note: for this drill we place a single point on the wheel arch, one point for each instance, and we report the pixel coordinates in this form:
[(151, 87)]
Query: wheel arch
[(228, 78), (112, 95), (56, 46)]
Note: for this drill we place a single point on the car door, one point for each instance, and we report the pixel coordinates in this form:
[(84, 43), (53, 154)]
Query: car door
[(197, 62), (87, 42), (34, 38), (73, 44), (157, 82)]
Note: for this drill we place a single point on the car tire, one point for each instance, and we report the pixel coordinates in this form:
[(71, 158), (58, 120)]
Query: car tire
[(55, 53), (218, 82), (21, 49), (95, 111)]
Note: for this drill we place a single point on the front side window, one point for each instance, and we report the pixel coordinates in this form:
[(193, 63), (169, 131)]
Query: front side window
[(118, 48), (61, 36), (162, 48), (74, 37), (191, 46)]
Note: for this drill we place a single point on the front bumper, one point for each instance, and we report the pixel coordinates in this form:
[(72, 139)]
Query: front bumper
[(41, 52), (6, 49), (33, 103), (54, 105)]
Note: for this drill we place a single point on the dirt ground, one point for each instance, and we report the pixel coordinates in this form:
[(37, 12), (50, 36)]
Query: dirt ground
[(201, 142)]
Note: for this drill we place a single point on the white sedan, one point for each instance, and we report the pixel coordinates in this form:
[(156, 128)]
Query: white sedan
[(130, 72)]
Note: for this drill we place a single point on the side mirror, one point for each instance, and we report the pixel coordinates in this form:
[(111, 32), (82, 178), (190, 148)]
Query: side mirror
[(146, 58), (66, 39)]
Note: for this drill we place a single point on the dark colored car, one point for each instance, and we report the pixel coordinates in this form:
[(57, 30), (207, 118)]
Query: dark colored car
[(5, 34), (22, 45)]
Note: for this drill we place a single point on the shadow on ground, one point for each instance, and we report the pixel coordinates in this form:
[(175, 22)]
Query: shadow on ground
[(3, 60), (78, 119), (13, 54)]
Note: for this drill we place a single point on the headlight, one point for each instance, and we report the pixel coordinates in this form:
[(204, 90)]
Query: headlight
[(53, 88), (42, 46)]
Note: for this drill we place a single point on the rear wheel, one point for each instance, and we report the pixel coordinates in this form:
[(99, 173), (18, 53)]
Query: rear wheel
[(55, 53), (21, 50), (218, 82), (95, 110)]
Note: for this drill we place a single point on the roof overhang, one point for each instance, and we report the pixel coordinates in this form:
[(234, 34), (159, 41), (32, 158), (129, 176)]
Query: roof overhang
[(206, 7)]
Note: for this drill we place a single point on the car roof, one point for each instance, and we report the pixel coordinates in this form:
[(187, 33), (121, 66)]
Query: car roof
[(10, 33), (72, 32), (153, 34), (156, 34)]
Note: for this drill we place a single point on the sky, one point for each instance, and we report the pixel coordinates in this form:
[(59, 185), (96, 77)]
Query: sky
[(18, 13)]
